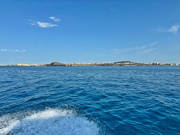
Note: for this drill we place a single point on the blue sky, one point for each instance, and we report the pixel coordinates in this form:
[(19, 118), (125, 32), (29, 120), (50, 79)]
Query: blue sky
[(44, 31)]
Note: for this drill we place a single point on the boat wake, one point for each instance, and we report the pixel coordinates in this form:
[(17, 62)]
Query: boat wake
[(50, 121)]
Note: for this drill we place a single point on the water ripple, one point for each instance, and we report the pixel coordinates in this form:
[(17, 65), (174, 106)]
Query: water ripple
[(116, 100)]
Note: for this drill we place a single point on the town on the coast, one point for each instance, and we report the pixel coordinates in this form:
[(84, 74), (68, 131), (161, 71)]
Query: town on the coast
[(120, 63)]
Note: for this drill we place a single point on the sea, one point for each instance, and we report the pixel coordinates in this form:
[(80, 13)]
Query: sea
[(96, 100)]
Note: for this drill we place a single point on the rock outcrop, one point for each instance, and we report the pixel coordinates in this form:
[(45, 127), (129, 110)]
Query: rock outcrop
[(55, 64)]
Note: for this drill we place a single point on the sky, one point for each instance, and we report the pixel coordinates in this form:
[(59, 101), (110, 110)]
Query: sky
[(83, 31)]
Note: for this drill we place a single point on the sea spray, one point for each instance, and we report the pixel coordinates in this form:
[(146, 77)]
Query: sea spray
[(51, 121)]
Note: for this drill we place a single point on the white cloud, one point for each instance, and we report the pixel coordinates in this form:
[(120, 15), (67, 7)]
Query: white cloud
[(174, 29), (3, 50), (45, 24), (16, 50), (12, 50), (55, 19), (42, 24)]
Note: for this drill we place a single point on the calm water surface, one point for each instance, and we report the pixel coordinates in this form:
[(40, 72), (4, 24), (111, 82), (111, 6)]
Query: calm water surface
[(90, 100)]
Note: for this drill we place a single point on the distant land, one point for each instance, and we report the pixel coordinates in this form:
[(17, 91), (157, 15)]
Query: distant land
[(119, 63)]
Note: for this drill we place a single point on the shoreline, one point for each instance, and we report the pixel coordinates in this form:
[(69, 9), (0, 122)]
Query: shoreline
[(123, 63)]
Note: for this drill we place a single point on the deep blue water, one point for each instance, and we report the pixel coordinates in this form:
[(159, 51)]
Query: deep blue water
[(90, 100)]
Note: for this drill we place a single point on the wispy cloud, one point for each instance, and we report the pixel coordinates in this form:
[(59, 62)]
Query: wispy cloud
[(139, 49), (42, 24), (148, 50), (55, 19), (3, 50), (45, 24), (174, 29), (16, 50), (12, 50)]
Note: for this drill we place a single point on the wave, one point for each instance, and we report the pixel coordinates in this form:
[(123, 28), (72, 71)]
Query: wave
[(49, 121)]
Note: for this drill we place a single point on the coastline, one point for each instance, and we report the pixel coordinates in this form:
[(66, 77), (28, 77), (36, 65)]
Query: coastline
[(121, 63)]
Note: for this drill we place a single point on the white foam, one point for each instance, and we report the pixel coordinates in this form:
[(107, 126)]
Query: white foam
[(50, 122)]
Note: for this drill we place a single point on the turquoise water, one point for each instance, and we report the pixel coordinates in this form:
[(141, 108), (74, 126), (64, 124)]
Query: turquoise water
[(90, 100)]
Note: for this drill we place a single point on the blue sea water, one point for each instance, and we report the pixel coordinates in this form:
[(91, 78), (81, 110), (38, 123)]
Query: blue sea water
[(129, 100)]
